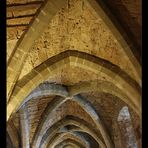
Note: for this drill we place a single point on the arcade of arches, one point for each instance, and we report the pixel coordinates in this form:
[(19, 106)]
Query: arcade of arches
[(74, 74)]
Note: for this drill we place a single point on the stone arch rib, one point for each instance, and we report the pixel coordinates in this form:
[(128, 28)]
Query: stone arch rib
[(92, 113), (62, 136), (71, 120), (48, 10), (13, 134), (74, 58), (40, 22), (86, 107), (69, 142), (97, 86), (46, 89), (118, 32)]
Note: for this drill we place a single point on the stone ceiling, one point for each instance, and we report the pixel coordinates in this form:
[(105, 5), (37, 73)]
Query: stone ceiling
[(19, 15), (128, 13), (81, 30), (73, 106)]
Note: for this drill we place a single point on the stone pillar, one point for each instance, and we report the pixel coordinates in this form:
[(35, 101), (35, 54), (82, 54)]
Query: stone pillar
[(25, 129), (126, 128)]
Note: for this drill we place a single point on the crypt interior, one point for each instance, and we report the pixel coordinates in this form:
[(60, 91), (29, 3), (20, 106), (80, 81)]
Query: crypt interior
[(74, 74)]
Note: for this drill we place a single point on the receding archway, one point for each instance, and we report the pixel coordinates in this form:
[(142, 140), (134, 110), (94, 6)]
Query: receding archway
[(68, 142), (70, 120), (59, 137), (116, 76)]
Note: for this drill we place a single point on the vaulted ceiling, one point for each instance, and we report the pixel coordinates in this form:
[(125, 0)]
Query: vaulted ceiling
[(73, 73)]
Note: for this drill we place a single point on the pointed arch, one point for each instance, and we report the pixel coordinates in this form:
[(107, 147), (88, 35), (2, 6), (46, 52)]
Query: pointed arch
[(98, 86), (110, 21), (48, 10), (86, 106), (64, 136), (74, 58), (69, 142), (23, 46), (46, 89), (75, 130), (69, 120)]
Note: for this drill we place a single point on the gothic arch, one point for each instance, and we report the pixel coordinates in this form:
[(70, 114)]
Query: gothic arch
[(70, 120), (64, 136), (13, 134), (40, 22), (116, 76), (87, 108), (47, 89), (86, 49), (68, 142)]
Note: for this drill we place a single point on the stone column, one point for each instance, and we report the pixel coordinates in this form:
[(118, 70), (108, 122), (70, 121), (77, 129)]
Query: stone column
[(25, 128)]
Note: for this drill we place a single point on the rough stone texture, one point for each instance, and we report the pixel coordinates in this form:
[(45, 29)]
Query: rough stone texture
[(10, 47), (16, 121), (75, 27), (18, 10), (105, 104), (69, 108), (72, 75), (35, 108), (49, 67), (22, 49), (10, 2), (108, 107), (127, 134), (128, 13), (19, 15)]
